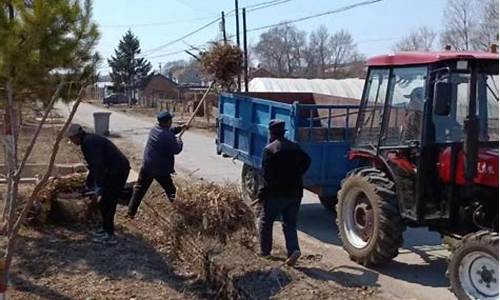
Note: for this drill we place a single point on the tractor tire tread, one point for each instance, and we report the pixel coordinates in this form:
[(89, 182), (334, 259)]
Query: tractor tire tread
[(391, 227)]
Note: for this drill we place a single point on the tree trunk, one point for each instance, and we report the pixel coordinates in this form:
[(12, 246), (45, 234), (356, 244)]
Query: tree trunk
[(14, 230), (11, 152)]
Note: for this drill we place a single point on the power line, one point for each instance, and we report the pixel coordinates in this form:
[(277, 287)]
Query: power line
[(181, 38), (166, 54), (259, 6), (197, 47), (156, 24), (266, 5), (256, 6), (342, 9)]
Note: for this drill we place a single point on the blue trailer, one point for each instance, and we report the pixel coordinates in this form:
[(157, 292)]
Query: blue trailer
[(323, 131)]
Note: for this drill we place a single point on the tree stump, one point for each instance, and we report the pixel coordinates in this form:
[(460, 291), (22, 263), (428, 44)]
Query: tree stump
[(73, 208)]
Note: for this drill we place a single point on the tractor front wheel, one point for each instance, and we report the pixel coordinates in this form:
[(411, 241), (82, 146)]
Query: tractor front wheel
[(368, 218), (473, 267)]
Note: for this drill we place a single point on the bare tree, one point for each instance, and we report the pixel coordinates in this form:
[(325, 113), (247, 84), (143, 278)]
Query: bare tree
[(421, 39), (285, 51), (281, 50), (487, 32), (460, 24), (343, 47), (318, 53)]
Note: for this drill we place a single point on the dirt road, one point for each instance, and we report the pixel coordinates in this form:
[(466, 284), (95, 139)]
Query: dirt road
[(417, 273)]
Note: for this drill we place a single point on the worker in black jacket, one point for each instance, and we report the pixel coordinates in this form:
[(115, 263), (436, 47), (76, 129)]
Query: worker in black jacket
[(283, 165), (108, 173)]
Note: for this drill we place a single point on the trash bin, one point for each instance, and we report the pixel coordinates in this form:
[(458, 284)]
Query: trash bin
[(101, 123)]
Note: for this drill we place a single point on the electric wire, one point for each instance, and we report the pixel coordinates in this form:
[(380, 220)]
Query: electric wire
[(338, 10)]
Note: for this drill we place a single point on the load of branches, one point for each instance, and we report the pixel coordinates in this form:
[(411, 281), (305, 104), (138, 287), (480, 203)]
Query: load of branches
[(223, 62)]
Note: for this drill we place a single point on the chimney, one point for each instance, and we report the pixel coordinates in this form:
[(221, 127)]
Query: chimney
[(494, 48)]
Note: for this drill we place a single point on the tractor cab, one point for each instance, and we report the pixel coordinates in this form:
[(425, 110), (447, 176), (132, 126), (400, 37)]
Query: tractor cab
[(430, 120), (426, 139)]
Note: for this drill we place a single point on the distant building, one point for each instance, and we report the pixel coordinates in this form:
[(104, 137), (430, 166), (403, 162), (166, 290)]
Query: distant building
[(99, 90), (160, 86)]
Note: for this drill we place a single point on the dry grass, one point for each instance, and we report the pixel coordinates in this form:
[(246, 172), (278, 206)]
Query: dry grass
[(213, 210), (204, 219)]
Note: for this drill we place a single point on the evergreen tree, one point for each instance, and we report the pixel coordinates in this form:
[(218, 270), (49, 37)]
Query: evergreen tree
[(46, 53), (43, 43), (128, 71)]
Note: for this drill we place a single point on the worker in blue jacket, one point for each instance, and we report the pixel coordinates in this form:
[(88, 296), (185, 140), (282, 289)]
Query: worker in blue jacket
[(108, 173), (158, 162)]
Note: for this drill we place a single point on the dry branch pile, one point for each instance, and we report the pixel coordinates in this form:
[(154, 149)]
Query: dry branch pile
[(204, 219), (44, 205), (211, 231), (64, 184), (223, 62), (213, 210)]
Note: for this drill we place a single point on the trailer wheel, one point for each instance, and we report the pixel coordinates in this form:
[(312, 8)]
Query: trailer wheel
[(328, 202), (368, 219), (473, 268), (250, 182)]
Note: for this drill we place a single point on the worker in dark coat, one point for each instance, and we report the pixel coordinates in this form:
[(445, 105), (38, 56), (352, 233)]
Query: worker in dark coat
[(283, 165), (159, 161), (108, 173)]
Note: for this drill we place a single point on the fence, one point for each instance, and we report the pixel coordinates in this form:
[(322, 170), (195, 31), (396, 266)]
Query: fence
[(182, 109)]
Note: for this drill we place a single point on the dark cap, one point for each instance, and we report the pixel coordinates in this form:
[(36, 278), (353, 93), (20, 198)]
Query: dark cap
[(416, 93), (277, 125), (164, 116), (73, 129)]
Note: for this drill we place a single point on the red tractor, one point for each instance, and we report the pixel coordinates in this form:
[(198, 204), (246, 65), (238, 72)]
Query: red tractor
[(427, 138)]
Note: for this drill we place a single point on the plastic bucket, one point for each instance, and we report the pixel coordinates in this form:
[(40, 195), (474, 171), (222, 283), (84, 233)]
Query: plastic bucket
[(101, 123)]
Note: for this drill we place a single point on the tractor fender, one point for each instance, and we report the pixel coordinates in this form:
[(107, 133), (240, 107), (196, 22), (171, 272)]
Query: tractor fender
[(370, 157)]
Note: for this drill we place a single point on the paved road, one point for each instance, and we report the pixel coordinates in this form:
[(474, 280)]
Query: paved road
[(417, 273)]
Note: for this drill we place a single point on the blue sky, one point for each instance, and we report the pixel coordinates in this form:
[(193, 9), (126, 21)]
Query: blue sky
[(375, 27)]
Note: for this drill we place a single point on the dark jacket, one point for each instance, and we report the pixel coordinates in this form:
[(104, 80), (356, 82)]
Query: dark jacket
[(103, 158), (160, 149), (283, 165)]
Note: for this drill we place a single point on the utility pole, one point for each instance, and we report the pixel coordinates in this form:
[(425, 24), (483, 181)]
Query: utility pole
[(160, 67), (223, 26), (245, 48), (237, 14)]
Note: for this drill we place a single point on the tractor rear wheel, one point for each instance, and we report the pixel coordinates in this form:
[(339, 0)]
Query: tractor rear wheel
[(473, 268), (250, 182), (368, 219)]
